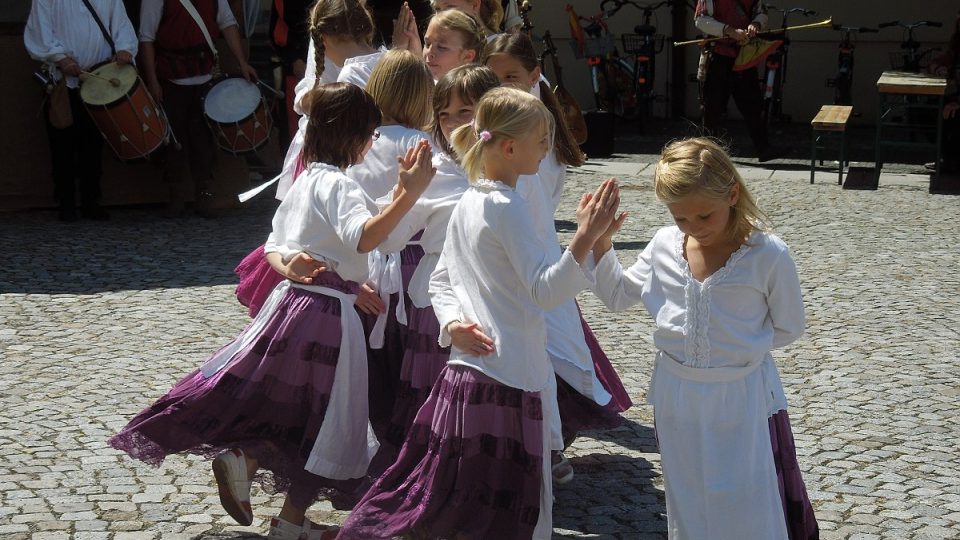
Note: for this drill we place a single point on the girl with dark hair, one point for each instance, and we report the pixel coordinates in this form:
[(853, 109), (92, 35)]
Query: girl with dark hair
[(289, 394)]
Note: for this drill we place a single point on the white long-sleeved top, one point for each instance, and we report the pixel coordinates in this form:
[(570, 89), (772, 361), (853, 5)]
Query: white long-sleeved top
[(733, 319), (493, 271), (377, 173), (56, 29), (324, 217), (357, 70), (430, 214), (714, 383), (151, 13)]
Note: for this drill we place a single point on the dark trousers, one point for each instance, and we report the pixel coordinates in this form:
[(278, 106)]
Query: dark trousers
[(721, 83), (191, 166), (951, 144), (76, 154)]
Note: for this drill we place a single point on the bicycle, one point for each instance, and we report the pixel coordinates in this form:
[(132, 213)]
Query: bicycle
[(621, 87), (910, 57), (776, 70), (843, 82)]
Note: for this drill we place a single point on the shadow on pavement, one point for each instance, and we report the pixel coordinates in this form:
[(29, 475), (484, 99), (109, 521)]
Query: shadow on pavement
[(135, 250)]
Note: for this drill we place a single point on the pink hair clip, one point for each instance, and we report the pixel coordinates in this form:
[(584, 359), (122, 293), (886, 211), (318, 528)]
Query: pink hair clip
[(485, 136)]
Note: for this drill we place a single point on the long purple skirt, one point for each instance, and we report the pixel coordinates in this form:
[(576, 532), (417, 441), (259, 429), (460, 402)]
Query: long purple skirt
[(257, 279), (801, 521), (470, 467), (423, 360), (578, 412), (386, 363), (269, 401)]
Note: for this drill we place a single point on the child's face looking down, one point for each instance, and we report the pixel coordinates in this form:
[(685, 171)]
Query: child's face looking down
[(530, 150), (703, 218)]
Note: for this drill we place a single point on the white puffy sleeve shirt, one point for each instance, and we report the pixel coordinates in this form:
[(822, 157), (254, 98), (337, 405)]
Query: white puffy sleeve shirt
[(495, 272), (357, 70), (732, 319), (430, 214), (56, 29), (330, 73), (377, 173), (323, 215)]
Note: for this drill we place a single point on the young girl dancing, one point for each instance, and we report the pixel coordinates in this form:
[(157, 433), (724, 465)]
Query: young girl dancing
[(589, 390), (289, 394), (473, 465), (339, 30), (454, 99), (723, 291), (402, 86)]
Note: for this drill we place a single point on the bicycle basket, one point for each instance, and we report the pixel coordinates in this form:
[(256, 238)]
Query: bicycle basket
[(595, 46), (633, 43)]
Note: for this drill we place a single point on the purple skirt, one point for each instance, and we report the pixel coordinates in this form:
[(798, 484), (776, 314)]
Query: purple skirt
[(801, 521), (385, 364), (470, 467), (423, 360), (269, 401), (257, 279), (578, 412)]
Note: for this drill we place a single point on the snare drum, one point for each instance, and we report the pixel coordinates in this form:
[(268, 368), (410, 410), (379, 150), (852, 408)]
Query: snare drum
[(237, 115), (118, 102)]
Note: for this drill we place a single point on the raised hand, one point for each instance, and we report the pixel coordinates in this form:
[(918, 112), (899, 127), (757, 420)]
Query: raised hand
[(406, 35), (597, 212), (416, 169)]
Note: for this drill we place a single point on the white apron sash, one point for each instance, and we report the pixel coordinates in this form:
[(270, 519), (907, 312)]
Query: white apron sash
[(386, 279)]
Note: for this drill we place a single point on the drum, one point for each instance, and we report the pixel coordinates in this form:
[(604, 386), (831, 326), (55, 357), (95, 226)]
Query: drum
[(124, 111), (238, 115)]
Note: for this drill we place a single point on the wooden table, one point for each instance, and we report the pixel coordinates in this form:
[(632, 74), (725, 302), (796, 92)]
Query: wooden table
[(904, 91)]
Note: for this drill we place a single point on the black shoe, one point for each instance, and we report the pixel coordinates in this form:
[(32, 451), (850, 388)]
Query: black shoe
[(94, 212), (204, 206), (67, 215), (930, 166)]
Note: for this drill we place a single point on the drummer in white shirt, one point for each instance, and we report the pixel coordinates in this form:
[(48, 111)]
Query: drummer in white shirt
[(67, 38)]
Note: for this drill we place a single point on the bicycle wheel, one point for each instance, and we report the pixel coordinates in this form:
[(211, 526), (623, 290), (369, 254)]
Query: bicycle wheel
[(618, 91)]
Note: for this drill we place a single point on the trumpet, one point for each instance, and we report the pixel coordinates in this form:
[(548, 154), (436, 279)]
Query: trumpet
[(765, 34)]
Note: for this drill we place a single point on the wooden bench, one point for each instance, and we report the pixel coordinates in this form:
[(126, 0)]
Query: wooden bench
[(830, 119)]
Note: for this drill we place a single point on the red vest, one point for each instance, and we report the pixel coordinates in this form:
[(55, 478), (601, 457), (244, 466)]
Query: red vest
[(735, 13), (182, 51)]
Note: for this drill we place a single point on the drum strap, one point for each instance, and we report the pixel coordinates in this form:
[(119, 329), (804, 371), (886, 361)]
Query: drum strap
[(103, 29), (187, 5)]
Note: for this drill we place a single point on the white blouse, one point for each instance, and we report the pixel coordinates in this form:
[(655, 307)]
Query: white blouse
[(324, 217), (431, 214), (357, 70), (57, 29), (732, 319), (330, 73), (494, 271), (377, 173)]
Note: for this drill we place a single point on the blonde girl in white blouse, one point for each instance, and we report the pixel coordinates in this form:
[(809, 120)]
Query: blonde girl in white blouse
[(723, 292), (493, 275)]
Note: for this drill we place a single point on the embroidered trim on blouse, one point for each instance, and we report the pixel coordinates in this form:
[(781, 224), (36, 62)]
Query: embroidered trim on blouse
[(696, 342), (486, 185)]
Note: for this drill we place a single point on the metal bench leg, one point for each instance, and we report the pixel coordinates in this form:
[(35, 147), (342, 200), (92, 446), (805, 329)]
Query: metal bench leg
[(843, 140), (813, 154)]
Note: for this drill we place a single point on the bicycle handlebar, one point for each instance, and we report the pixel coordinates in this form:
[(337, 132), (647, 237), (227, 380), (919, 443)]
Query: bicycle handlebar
[(618, 5), (860, 29), (790, 11), (910, 26)]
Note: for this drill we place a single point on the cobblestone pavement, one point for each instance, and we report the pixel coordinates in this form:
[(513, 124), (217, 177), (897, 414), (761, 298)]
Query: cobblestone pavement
[(99, 319)]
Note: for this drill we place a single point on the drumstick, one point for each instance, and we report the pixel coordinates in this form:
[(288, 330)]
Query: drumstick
[(113, 82)]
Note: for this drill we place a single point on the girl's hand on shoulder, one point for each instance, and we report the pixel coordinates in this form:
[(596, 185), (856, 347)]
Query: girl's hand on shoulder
[(416, 169), (470, 338), (302, 268), (597, 212), (369, 302)]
